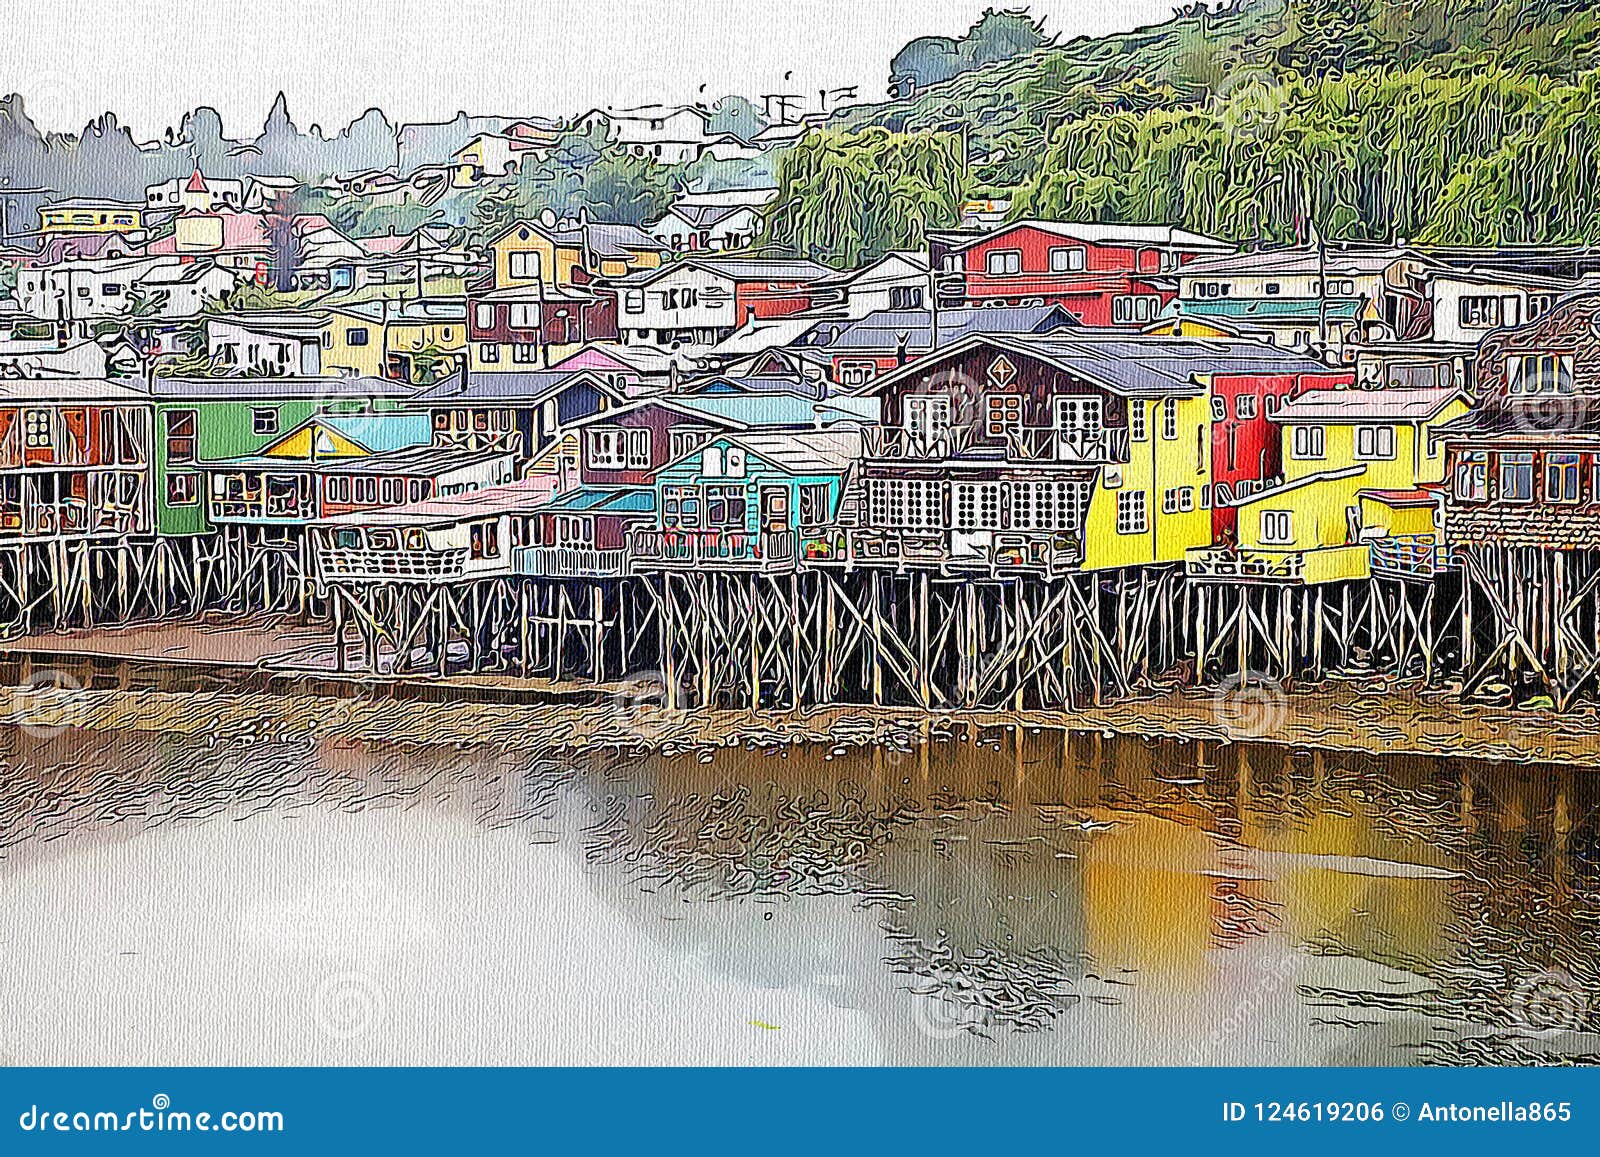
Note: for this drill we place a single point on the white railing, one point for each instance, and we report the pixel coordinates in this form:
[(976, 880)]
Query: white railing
[(1045, 444), (899, 444), (570, 562), (657, 549), (343, 563), (1414, 554)]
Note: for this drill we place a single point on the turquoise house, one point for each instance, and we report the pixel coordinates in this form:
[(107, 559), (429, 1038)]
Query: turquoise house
[(743, 500)]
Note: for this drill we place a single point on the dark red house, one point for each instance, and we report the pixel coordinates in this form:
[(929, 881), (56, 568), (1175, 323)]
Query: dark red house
[(1104, 275)]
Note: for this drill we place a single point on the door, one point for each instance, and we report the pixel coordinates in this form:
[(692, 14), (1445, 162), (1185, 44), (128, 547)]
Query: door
[(774, 508)]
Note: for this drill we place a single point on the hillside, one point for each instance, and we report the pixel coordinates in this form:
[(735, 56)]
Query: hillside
[(1455, 120)]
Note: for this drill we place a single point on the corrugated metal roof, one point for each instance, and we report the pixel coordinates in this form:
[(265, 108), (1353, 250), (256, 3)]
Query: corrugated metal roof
[(1341, 406), (804, 451)]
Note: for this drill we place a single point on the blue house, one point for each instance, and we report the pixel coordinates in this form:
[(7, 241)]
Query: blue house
[(746, 500)]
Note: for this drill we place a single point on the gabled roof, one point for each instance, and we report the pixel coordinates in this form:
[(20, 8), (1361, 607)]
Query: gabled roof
[(604, 238), (1300, 260), (736, 269), (1143, 366), (1111, 233), (323, 437), (331, 389), (774, 409), (526, 388), (1340, 407), (882, 330), (597, 500), (804, 451)]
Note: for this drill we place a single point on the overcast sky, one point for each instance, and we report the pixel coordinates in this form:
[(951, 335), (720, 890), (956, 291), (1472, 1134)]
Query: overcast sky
[(423, 60)]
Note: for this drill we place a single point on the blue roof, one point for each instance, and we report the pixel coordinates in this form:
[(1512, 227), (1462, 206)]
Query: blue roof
[(380, 432), (590, 501), (773, 408)]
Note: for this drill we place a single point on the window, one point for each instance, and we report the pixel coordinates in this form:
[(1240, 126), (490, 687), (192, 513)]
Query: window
[(1169, 418), (814, 505), (975, 506), (1068, 259), (111, 289), (524, 353), (1132, 517), (264, 421), (525, 315), (1137, 429), (183, 489), (489, 353), (1539, 374), (485, 315), (1244, 406), (633, 301), (725, 507), (485, 540), (617, 449), (524, 266), (1309, 442), (574, 530), (1277, 527), (912, 503), (38, 429), (856, 373), (928, 414), (1486, 311), (680, 506), (1130, 310), (1004, 414), (1516, 476), (682, 441), (1375, 442), (1048, 505), (180, 426), (1561, 478), (356, 336), (1472, 476), (905, 297), (1002, 262), (1079, 414), (1219, 409), (1539, 304), (366, 490), (1273, 288), (1177, 500)]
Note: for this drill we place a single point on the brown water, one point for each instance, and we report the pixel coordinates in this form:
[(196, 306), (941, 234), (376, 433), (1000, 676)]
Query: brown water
[(999, 897)]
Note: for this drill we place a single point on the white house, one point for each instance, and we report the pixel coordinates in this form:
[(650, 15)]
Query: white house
[(154, 287), (714, 228), (672, 135), (1467, 304), (195, 192), (702, 300), (288, 346), (897, 281)]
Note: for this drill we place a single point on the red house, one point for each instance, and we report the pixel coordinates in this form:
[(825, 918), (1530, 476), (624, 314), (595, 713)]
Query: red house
[(1104, 275), (1246, 445)]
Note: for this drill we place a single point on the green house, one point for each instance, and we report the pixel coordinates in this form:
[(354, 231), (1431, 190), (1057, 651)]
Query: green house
[(200, 420), (744, 500)]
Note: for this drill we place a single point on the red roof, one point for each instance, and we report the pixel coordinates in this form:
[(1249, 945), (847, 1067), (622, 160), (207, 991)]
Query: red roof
[(197, 183), (1419, 496)]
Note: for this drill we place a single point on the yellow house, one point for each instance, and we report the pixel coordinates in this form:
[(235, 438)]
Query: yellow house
[(530, 253), (1155, 506), (91, 215), (1358, 468), (406, 340)]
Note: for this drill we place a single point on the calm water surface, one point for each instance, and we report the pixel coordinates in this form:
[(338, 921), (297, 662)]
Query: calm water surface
[(971, 897)]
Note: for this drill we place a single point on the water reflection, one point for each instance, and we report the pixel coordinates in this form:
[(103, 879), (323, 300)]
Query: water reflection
[(959, 896)]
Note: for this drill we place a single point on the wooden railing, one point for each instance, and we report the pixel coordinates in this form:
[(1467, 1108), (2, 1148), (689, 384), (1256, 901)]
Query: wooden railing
[(1043, 444), (1223, 563), (349, 563), (570, 562), (1410, 554), (895, 443), (672, 549), (1050, 554)]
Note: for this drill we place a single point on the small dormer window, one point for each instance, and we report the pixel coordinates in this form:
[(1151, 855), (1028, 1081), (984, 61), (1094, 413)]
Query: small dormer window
[(1536, 375)]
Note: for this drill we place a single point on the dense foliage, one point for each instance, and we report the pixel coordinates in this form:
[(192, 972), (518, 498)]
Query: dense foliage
[(1438, 120)]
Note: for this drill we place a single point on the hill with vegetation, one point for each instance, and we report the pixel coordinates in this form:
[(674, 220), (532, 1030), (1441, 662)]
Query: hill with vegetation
[(1447, 120)]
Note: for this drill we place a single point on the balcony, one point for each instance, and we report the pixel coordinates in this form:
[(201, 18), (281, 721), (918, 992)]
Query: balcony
[(570, 562), (1024, 445), (1043, 446), (1312, 566), (1009, 552), (354, 564), (1411, 555), (712, 549), (895, 444)]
